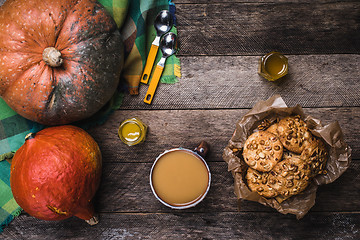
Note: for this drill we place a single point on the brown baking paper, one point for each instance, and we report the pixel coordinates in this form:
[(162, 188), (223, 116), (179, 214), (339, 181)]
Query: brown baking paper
[(271, 109)]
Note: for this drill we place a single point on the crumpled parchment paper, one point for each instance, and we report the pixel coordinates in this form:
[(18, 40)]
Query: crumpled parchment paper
[(272, 109)]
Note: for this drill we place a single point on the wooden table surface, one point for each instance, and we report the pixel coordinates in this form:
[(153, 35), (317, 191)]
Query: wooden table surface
[(221, 42)]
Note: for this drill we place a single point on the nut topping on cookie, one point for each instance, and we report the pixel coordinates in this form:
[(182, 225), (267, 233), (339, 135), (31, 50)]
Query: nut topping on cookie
[(294, 134), (316, 156), (263, 156), (260, 185), (288, 174), (283, 158)]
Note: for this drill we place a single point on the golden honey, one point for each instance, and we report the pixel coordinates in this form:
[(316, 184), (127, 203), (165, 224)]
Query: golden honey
[(273, 66), (132, 131), (180, 178)]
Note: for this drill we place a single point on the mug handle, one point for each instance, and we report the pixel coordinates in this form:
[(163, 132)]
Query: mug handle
[(202, 149)]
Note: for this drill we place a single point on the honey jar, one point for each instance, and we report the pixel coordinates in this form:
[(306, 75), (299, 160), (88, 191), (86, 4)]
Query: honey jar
[(132, 131), (273, 66)]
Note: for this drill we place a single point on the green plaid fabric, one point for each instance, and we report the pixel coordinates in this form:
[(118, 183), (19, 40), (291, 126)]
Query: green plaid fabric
[(9, 208), (13, 129), (138, 33), (135, 21)]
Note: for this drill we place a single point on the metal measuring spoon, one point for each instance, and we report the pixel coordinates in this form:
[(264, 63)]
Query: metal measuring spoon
[(163, 23), (168, 47)]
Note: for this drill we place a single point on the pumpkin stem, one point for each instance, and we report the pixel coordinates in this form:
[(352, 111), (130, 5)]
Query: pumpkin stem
[(52, 57), (93, 221), (30, 136)]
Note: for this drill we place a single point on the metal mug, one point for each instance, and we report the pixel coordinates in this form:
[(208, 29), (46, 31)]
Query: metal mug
[(200, 153)]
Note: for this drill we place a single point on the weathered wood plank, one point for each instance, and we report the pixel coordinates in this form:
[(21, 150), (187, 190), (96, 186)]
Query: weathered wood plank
[(321, 226), (250, 1), (125, 188), (327, 85), (233, 82), (256, 28), (253, 28), (187, 128)]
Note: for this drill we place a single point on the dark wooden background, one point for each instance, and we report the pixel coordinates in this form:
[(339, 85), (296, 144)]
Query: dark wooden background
[(220, 45)]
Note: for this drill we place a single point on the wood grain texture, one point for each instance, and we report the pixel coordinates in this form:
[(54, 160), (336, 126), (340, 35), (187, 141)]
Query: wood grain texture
[(221, 42), (126, 205), (233, 82), (125, 189), (187, 128), (256, 28), (321, 226), (252, 1)]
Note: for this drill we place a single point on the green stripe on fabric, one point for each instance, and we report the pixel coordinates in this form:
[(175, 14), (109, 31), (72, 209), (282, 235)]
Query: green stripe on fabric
[(3, 216), (13, 143), (117, 9), (4, 146), (6, 111), (140, 26), (145, 5), (9, 218), (5, 172), (5, 196), (2, 131), (140, 42), (10, 206), (134, 10), (14, 125)]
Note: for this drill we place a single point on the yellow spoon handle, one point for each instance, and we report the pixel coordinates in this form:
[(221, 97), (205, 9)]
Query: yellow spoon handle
[(153, 84), (149, 63)]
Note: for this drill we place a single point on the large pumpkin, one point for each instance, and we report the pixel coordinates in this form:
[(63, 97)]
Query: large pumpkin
[(60, 60), (56, 173)]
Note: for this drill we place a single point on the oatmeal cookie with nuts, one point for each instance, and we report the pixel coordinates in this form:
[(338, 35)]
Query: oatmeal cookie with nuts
[(259, 182), (288, 154), (316, 156), (262, 150), (294, 134), (292, 176), (273, 129)]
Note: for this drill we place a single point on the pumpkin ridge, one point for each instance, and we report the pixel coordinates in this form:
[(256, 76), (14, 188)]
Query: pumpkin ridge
[(5, 87), (96, 5), (108, 35), (29, 51), (58, 32), (86, 36), (33, 39), (28, 38), (20, 78)]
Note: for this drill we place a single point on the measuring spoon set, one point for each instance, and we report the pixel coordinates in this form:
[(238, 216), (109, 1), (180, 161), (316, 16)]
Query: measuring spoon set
[(167, 42)]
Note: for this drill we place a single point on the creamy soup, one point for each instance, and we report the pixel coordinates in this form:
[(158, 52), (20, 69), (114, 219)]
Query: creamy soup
[(180, 178)]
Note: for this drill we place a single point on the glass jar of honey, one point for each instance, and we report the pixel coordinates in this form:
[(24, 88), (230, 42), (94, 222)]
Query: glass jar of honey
[(273, 66), (132, 131)]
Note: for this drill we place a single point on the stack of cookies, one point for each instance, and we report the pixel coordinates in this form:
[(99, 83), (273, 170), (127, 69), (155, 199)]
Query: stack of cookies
[(282, 158)]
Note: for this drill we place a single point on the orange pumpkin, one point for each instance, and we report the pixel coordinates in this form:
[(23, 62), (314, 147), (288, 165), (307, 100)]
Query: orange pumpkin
[(56, 173), (60, 60)]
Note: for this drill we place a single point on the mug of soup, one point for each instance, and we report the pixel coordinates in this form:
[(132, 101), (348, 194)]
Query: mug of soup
[(180, 178)]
